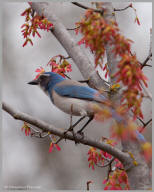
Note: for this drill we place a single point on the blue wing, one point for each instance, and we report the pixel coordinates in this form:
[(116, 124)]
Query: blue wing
[(80, 92)]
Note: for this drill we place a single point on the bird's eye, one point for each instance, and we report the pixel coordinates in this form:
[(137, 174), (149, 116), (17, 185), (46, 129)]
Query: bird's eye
[(42, 77)]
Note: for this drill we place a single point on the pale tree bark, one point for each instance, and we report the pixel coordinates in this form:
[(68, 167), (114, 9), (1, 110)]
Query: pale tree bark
[(139, 176)]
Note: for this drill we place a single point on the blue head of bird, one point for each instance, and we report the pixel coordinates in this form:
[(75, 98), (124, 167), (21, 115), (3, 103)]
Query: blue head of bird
[(47, 80)]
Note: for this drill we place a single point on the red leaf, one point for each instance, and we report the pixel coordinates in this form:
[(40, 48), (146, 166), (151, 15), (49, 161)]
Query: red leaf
[(30, 41), (106, 187), (105, 181), (82, 41), (57, 146), (25, 43), (51, 147), (131, 5), (30, 3), (38, 34), (137, 20)]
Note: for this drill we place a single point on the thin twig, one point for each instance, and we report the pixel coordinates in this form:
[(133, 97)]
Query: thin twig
[(88, 183), (122, 9), (68, 57), (107, 159), (107, 164), (147, 122), (144, 124), (67, 76), (144, 64), (71, 29), (110, 169), (146, 60), (62, 57), (85, 7)]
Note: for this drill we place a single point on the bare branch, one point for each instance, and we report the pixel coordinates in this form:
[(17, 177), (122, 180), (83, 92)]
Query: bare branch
[(88, 183), (150, 120), (85, 7), (144, 124), (71, 29), (146, 60), (107, 164), (144, 64), (123, 157), (129, 6)]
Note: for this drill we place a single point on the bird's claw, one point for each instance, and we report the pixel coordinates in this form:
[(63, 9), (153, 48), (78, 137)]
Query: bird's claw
[(80, 135)]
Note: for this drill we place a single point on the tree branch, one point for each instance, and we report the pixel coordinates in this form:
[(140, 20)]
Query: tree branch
[(144, 64), (123, 8), (148, 94), (85, 7), (85, 66), (144, 124), (123, 157), (146, 60), (107, 164), (72, 29)]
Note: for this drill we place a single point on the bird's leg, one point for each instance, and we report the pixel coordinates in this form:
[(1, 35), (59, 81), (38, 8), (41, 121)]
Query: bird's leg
[(70, 129), (89, 120), (71, 126), (75, 124)]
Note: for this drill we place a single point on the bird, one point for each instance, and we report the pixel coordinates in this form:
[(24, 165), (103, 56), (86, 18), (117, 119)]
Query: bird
[(74, 98)]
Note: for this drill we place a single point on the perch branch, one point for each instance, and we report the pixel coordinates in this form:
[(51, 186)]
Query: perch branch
[(122, 9), (85, 7), (71, 29), (123, 157), (107, 164), (144, 124), (146, 60)]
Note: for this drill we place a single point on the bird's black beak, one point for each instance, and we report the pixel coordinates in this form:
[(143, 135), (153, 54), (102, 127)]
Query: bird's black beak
[(34, 82)]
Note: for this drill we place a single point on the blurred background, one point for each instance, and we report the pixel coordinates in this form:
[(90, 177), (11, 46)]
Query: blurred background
[(26, 161)]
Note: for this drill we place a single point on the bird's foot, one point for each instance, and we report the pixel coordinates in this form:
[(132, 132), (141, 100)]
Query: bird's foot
[(39, 134), (70, 129), (74, 135), (79, 135)]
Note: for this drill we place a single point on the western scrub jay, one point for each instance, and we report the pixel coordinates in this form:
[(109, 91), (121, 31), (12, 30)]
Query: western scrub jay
[(73, 97)]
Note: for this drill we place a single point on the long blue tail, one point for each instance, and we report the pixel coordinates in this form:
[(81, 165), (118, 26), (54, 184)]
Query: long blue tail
[(120, 119)]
